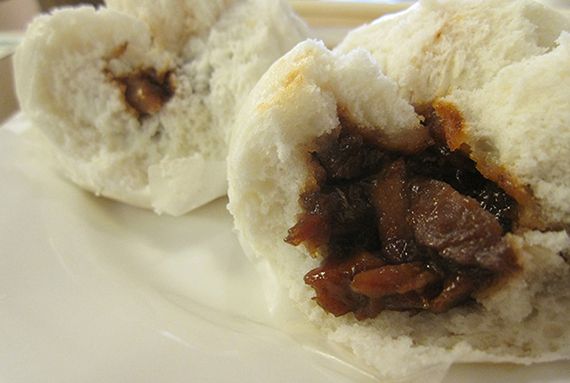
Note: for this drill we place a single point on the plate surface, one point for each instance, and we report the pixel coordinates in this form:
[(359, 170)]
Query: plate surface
[(92, 290)]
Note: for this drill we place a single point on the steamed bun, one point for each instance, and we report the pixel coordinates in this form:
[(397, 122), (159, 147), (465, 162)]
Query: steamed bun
[(137, 99), (488, 79)]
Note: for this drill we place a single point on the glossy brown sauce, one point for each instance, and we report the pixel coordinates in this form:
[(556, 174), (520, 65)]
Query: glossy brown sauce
[(146, 91), (400, 231)]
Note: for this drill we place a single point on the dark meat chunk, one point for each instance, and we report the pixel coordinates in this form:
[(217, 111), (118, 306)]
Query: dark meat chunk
[(496, 202), (311, 230), (393, 279), (456, 289), (405, 302), (460, 172), (411, 301), (456, 226), (336, 220), (146, 92), (421, 231), (391, 201), (349, 157), (351, 211), (331, 281)]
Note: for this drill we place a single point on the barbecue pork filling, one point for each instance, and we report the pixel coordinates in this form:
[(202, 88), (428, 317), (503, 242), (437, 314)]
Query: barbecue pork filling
[(400, 231)]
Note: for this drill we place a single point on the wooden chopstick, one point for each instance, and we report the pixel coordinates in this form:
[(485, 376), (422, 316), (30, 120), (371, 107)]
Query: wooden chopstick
[(343, 13)]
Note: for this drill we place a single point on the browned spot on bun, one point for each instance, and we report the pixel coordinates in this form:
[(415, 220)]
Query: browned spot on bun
[(452, 123), (293, 80), (118, 51), (292, 77)]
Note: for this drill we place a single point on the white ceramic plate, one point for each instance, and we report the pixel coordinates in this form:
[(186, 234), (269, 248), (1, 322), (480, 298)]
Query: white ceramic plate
[(95, 291)]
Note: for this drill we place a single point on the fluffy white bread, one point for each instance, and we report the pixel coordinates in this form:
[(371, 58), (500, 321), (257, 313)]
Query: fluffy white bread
[(68, 73), (438, 45), (295, 102)]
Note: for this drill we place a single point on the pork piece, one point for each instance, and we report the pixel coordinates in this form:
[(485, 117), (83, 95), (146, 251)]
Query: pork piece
[(393, 279), (456, 226), (146, 92), (457, 288), (336, 220), (332, 279), (349, 156), (391, 201), (459, 171)]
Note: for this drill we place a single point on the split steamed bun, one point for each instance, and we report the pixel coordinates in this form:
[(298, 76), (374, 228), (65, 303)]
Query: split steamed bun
[(138, 98), (512, 122)]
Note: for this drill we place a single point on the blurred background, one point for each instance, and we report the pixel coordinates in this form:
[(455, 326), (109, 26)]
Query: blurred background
[(14, 14)]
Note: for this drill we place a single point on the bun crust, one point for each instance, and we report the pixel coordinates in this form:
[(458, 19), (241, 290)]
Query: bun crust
[(78, 72)]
